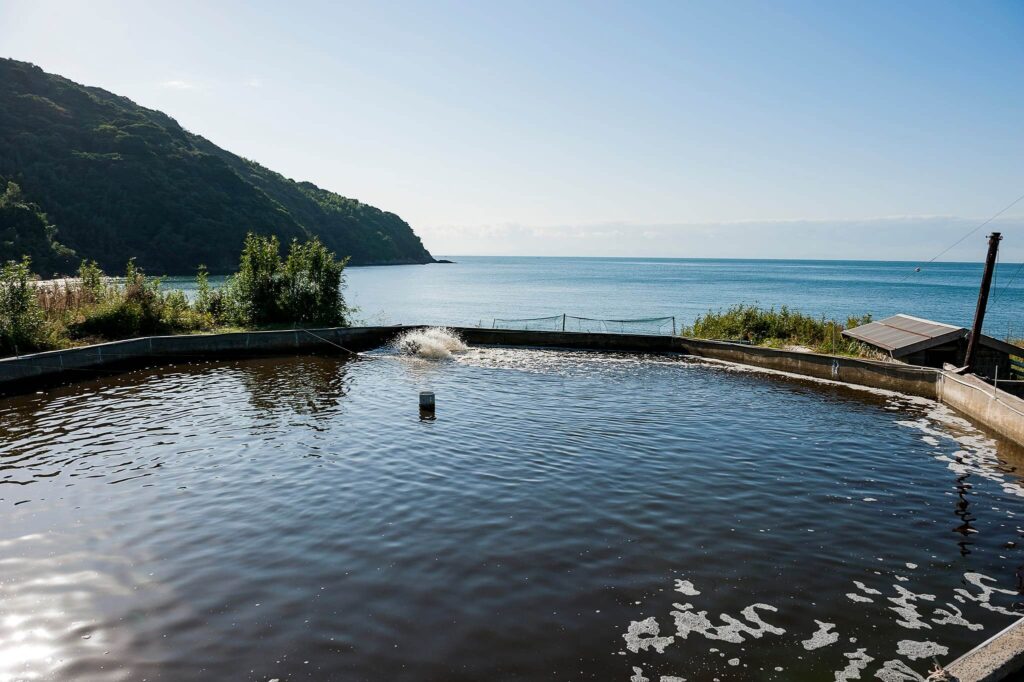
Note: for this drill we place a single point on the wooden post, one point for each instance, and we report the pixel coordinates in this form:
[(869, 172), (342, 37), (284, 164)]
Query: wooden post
[(979, 313)]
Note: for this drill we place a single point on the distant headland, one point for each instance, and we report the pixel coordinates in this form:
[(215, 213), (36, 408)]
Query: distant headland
[(87, 174)]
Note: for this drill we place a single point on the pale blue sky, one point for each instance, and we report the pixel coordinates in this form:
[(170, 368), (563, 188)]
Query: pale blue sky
[(882, 130)]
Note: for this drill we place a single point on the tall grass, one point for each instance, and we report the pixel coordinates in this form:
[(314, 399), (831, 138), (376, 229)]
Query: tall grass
[(779, 328), (266, 291)]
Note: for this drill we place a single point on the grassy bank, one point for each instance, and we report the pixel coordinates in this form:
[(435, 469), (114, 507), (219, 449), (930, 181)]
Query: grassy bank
[(303, 289), (782, 328)]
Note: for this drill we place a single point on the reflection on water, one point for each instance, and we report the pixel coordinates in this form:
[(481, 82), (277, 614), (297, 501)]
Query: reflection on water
[(566, 516), (315, 386), (962, 504)]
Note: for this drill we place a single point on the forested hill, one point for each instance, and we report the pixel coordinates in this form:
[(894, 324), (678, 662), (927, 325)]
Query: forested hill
[(106, 179)]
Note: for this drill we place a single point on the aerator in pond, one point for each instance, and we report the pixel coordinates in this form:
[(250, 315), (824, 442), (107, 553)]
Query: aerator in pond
[(432, 343)]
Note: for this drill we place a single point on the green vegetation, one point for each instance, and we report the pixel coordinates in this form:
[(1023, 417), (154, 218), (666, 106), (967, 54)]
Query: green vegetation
[(26, 231), (121, 181), (779, 329), (302, 290)]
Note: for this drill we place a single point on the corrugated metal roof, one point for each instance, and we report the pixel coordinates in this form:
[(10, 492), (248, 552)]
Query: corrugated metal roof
[(903, 334)]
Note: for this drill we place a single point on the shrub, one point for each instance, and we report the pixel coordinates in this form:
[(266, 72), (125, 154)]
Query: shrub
[(778, 328), (178, 315), (312, 285), (204, 295), (21, 318), (113, 319), (90, 279), (304, 289), (255, 290), (136, 308)]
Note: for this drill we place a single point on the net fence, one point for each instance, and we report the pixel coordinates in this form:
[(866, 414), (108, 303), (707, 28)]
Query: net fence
[(651, 326)]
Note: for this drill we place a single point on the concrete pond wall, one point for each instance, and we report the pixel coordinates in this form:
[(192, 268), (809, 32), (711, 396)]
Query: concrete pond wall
[(983, 403), (27, 372), (997, 410), (887, 375)]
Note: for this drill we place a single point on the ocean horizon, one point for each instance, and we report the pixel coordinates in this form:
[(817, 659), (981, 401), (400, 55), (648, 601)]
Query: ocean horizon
[(475, 290)]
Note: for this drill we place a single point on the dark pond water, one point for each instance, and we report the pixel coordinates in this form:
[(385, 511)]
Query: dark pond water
[(566, 516)]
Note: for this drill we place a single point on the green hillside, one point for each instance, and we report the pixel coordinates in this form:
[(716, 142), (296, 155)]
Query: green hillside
[(110, 180)]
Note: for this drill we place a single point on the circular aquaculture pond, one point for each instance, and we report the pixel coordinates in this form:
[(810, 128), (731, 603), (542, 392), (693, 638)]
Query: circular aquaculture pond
[(562, 515)]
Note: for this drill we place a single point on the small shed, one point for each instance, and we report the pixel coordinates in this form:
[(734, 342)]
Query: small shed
[(924, 342)]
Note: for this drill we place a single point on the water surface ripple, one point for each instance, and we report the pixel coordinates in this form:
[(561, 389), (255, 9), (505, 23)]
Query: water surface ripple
[(566, 516)]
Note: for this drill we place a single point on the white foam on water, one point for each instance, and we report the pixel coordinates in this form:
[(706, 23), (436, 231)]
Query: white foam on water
[(853, 596), (645, 634), (918, 650), (983, 598), (898, 671), (823, 637), (978, 453), (864, 588), (638, 676), (951, 618), (859, 661), (432, 343), (732, 631), (687, 588), (909, 617)]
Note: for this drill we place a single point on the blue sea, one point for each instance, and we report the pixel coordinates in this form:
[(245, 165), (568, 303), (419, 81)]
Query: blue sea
[(477, 289)]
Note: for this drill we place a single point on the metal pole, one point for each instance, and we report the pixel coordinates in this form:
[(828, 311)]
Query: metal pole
[(979, 313), (673, 325), (563, 322)]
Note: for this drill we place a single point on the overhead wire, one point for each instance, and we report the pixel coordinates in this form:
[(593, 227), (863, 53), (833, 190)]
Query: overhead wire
[(919, 266), (1006, 285)]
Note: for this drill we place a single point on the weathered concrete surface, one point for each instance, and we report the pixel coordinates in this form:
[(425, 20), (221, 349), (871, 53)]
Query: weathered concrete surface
[(886, 375), (993, 660), (30, 371), (995, 408)]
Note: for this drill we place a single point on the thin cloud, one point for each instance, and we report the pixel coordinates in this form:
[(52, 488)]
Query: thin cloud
[(177, 85), (910, 238), (255, 82)]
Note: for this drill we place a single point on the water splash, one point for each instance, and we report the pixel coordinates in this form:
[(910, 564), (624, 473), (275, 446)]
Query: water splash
[(432, 343)]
